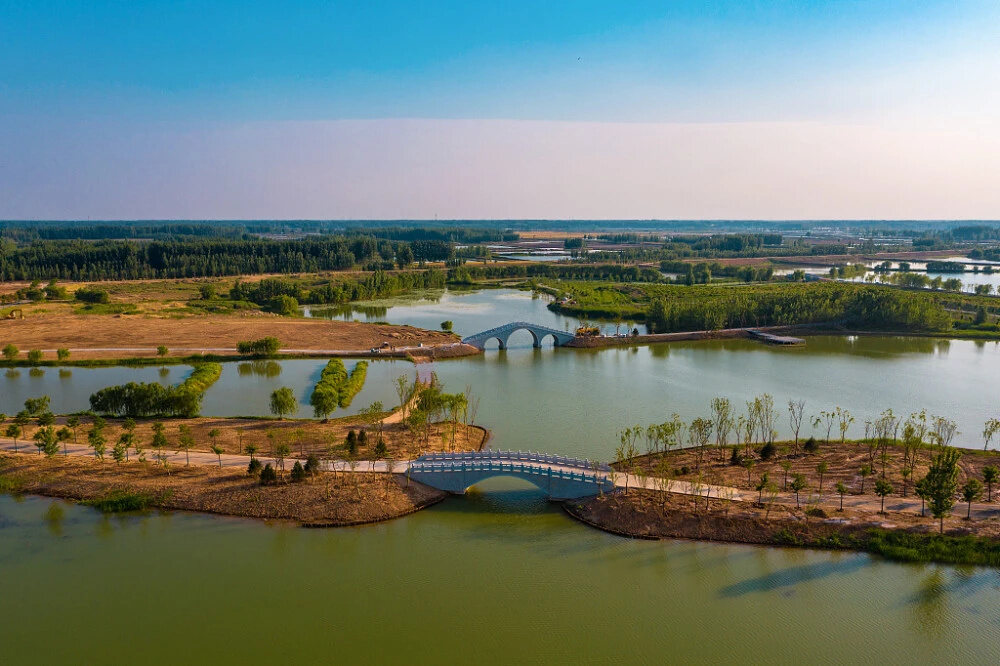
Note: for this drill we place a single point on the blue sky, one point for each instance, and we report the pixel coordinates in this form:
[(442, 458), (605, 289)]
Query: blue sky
[(85, 71)]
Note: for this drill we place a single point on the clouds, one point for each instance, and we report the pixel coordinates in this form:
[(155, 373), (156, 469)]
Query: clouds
[(396, 168)]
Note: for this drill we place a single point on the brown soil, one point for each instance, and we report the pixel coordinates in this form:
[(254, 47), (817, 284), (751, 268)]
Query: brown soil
[(305, 437), (50, 332), (326, 500), (649, 514), (844, 463)]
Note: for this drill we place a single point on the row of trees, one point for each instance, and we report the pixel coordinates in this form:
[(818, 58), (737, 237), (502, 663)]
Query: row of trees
[(141, 399), (755, 432), (853, 305), (336, 388), (11, 353), (207, 257)]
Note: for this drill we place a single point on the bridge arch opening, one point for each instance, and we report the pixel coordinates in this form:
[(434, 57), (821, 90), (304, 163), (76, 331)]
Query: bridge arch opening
[(495, 343), (521, 338)]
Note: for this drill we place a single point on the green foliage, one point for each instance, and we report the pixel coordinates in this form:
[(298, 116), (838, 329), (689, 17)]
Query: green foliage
[(298, 472), (254, 468), (34, 356), (941, 483), (162, 350), (447, 325), (121, 501), (912, 547), (268, 475), (768, 450), (10, 352), (283, 402), (285, 306), (94, 295), (137, 399), (811, 445), (312, 466), (62, 354), (264, 347)]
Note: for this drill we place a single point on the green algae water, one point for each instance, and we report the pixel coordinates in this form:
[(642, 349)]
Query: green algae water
[(499, 576)]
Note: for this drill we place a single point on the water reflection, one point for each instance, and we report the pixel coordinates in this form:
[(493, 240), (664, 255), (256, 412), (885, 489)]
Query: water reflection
[(259, 369), (12, 373), (36, 372), (790, 577), (65, 373)]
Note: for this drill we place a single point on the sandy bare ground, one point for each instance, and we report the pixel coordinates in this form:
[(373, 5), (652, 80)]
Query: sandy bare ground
[(328, 499), (102, 336)]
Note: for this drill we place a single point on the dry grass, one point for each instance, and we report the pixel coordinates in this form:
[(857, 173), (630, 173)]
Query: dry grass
[(51, 331), (844, 463), (327, 499), (650, 514)]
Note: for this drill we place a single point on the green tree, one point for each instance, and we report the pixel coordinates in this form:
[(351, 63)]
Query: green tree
[(990, 428), (62, 354), (283, 402), (96, 440), (447, 325), (785, 466), (14, 432), (990, 475), (162, 350), (761, 486), (821, 469), (63, 435), (10, 352), (284, 305), (73, 422), (281, 451), (351, 443), (185, 442), (206, 291), (324, 402), (46, 441), (970, 493), (159, 443), (251, 450), (882, 489), (865, 472), (798, 485), (841, 490), (942, 484)]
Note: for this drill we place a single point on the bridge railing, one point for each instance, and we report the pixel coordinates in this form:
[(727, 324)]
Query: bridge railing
[(417, 467), (527, 456)]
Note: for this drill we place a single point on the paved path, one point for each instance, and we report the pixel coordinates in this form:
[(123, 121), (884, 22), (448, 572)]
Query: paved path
[(980, 510), (233, 350)]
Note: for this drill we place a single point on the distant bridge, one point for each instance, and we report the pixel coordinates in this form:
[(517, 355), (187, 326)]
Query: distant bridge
[(502, 333), (559, 477)]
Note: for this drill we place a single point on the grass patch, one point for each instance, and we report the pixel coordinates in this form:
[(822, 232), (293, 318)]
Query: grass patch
[(121, 500), (910, 547)]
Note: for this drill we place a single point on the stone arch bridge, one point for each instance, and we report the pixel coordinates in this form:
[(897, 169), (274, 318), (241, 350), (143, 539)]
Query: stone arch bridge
[(502, 333), (559, 477)]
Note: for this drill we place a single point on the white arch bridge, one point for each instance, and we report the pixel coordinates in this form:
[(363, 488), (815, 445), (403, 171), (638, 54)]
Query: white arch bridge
[(502, 333), (559, 477)]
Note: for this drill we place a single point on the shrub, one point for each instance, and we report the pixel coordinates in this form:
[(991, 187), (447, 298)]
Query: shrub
[(268, 346), (312, 465), (811, 445), (62, 353), (120, 501), (285, 306), (447, 325), (816, 512), (736, 458), (268, 475), (35, 356), (767, 451), (254, 468), (92, 295), (298, 472)]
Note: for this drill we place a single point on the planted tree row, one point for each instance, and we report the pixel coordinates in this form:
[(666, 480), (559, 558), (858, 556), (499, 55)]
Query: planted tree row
[(336, 388), (140, 399)]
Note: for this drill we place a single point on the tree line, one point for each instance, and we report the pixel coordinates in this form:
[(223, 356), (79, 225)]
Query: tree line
[(141, 399), (208, 257)]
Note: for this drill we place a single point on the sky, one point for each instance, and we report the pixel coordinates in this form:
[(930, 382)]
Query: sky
[(451, 110)]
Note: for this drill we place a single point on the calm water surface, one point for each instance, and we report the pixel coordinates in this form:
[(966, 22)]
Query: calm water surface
[(497, 577)]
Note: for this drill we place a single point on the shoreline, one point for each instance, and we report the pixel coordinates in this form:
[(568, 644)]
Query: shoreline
[(631, 516)]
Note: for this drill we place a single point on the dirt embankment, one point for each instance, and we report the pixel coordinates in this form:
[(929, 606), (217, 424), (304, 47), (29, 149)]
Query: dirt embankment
[(325, 500), (86, 334), (655, 515), (726, 333)]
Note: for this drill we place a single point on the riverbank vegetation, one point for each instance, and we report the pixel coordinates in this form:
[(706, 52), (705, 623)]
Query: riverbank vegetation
[(141, 399), (668, 308)]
